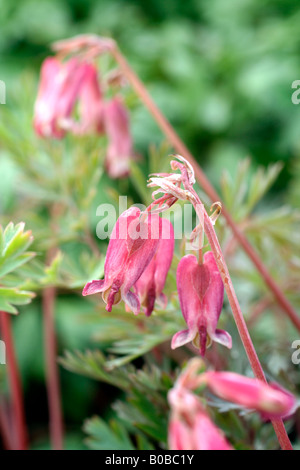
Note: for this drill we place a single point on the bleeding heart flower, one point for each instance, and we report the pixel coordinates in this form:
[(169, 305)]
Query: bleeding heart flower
[(269, 399), (150, 285), (201, 290), (91, 106), (133, 244), (61, 85), (190, 427), (58, 91), (119, 152)]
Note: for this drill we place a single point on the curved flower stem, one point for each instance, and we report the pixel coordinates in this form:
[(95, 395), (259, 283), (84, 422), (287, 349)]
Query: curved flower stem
[(240, 322), (17, 405), (206, 224), (181, 148)]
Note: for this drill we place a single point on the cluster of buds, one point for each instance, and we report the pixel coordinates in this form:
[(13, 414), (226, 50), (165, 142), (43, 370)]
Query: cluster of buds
[(137, 264), (190, 426), (72, 86)]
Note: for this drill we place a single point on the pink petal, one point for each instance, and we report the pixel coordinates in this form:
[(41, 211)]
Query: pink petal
[(93, 287), (222, 337), (208, 436), (132, 301), (213, 299), (251, 393), (91, 103), (119, 152), (164, 255), (183, 337)]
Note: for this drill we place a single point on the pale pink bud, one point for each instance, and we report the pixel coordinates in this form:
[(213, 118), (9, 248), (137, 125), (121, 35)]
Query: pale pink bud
[(201, 290), (150, 285), (119, 152), (132, 245), (271, 400)]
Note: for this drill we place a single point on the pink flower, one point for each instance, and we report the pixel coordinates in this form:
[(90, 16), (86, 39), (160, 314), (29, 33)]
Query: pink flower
[(91, 107), (271, 400), (61, 85), (201, 291), (190, 427), (58, 91), (119, 152), (150, 285), (132, 245)]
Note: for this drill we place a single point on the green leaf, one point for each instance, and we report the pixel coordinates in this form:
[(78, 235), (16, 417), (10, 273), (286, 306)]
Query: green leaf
[(133, 348), (13, 244), (52, 271), (92, 364), (112, 436), (12, 296)]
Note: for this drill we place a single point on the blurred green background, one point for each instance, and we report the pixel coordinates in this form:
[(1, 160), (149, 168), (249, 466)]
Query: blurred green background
[(221, 71)]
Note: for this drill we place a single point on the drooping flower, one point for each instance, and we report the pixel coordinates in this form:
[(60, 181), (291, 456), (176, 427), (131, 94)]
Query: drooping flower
[(119, 152), (58, 91), (150, 285), (269, 399), (190, 427), (62, 84), (201, 290), (133, 244), (91, 105)]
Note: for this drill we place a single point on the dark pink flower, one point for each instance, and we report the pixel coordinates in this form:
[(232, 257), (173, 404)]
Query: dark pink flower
[(271, 400), (200, 289), (150, 285), (119, 152), (133, 244), (190, 427)]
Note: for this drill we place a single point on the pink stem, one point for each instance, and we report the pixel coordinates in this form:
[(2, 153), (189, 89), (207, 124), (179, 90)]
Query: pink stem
[(181, 148), (18, 412), (240, 323), (5, 426), (52, 375), (52, 372)]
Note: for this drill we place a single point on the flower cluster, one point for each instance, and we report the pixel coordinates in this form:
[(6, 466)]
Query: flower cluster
[(141, 261), (139, 255), (72, 87)]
